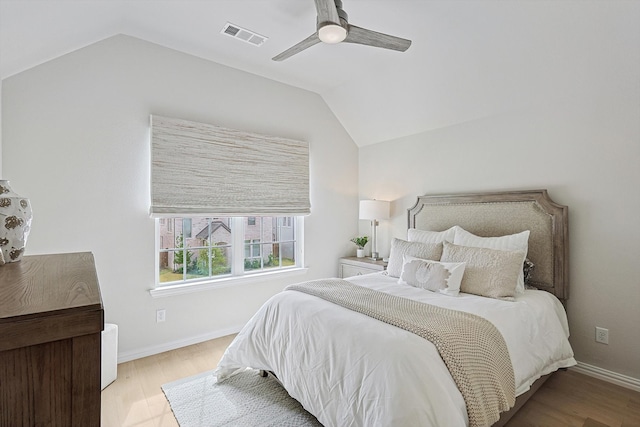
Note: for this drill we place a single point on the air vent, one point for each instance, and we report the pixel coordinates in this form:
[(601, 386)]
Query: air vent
[(243, 34)]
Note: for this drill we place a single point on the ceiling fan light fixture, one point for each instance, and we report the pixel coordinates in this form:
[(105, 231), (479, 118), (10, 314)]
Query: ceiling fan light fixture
[(332, 33)]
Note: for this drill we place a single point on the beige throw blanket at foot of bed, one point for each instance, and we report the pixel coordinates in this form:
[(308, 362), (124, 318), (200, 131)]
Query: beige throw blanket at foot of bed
[(472, 348)]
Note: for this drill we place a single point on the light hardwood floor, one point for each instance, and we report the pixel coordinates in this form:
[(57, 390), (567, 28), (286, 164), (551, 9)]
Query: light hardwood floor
[(135, 397), (568, 399)]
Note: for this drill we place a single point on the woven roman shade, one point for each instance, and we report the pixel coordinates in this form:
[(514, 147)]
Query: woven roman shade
[(200, 169)]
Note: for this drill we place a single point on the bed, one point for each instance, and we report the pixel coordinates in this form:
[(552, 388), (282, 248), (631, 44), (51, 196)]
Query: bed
[(350, 369)]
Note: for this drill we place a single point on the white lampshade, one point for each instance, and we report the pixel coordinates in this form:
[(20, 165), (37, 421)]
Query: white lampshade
[(332, 33), (374, 209)]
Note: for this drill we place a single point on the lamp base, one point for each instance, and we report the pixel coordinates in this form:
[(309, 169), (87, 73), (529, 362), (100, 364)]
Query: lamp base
[(375, 256)]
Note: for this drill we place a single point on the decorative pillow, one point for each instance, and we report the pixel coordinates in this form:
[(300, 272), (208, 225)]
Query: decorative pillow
[(399, 248), (513, 242), (443, 277), (425, 236), (489, 272)]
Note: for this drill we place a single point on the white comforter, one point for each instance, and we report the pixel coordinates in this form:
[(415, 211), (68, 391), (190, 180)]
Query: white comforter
[(348, 369)]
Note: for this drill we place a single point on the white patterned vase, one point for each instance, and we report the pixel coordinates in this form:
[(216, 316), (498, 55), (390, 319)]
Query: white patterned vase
[(15, 223)]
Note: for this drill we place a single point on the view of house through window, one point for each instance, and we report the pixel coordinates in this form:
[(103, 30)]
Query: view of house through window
[(198, 248)]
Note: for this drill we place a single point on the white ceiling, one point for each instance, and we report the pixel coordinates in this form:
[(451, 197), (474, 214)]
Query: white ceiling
[(469, 59)]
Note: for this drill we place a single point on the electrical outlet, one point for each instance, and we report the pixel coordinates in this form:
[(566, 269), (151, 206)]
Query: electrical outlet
[(602, 335), (161, 315)]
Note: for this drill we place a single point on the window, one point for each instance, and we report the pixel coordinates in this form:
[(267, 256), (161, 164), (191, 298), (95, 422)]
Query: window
[(216, 219), (186, 225), (195, 249), (252, 248)]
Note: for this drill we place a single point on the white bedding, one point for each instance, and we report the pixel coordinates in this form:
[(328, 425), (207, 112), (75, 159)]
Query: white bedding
[(348, 369)]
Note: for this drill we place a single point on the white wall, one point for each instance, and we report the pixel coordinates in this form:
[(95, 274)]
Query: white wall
[(76, 142), (583, 145)]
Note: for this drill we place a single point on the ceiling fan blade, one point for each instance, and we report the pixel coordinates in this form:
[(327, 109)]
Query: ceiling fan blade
[(372, 38), (327, 12), (297, 48)]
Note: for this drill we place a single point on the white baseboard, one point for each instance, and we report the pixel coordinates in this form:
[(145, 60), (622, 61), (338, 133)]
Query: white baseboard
[(608, 376), (161, 348)]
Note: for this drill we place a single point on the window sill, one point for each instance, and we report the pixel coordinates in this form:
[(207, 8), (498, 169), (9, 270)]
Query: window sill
[(187, 288)]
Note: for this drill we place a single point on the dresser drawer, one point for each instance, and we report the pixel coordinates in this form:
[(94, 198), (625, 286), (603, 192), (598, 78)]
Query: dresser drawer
[(351, 270), (352, 266)]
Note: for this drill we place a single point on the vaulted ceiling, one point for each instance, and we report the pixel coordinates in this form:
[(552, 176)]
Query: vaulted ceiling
[(469, 59)]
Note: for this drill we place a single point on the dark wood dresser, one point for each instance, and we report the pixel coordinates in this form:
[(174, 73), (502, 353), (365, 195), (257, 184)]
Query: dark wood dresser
[(51, 318)]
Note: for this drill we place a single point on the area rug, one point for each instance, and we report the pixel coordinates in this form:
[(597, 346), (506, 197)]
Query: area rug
[(245, 399)]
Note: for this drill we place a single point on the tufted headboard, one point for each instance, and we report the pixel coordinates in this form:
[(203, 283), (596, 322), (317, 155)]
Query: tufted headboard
[(501, 213)]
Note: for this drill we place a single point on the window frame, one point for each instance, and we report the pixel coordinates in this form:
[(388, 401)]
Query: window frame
[(238, 275)]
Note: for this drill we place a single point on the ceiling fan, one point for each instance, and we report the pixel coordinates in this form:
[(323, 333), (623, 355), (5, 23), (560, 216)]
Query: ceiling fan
[(333, 27)]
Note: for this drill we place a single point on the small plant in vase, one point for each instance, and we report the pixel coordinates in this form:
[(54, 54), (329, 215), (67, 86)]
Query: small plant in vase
[(360, 243)]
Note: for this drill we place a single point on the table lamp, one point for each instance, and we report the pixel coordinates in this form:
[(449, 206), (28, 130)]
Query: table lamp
[(374, 210)]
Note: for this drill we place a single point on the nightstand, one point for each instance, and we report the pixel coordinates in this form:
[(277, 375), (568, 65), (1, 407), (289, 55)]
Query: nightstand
[(353, 266)]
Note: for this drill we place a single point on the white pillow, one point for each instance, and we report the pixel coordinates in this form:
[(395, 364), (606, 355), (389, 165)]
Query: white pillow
[(443, 277), (400, 247), (488, 272), (426, 236), (518, 242)]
